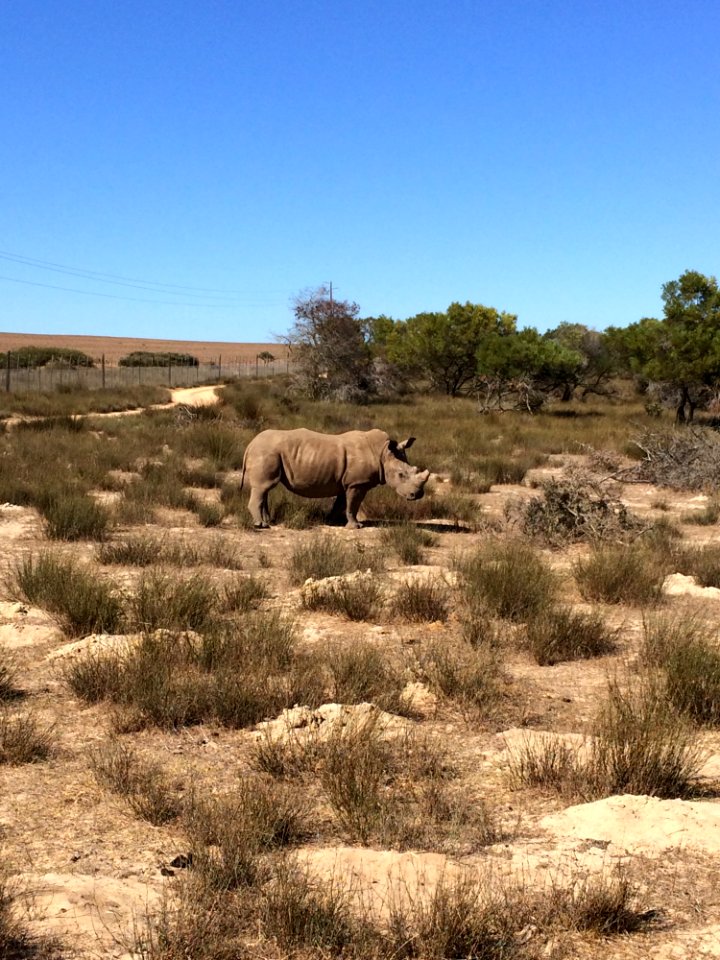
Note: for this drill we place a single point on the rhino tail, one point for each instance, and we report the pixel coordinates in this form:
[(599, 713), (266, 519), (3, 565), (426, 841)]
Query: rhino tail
[(242, 475)]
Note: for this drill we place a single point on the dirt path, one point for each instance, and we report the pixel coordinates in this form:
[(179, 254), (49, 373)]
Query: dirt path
[(191, 396)]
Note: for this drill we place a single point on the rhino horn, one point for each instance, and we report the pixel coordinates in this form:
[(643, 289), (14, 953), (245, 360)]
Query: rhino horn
[(406, 444)]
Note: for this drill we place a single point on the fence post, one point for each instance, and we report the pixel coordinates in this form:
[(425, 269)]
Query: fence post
[(169, 373), (220, 367), (7, 372), (102, 363)]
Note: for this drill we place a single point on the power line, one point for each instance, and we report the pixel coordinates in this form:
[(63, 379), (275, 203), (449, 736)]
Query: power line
[(113, 296), (118, 280)]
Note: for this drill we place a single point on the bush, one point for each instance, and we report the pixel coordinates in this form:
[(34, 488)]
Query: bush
[(509, 579), (640, 746), (74, 516), (688, 653), (620, 574), (563, 634), (355, 599), (243, 593), (473, 678), (421, 601), (408, 542), (161, 600), (143, 785), (25, 357), (82, 603), (577, 508), (360, 673), (327, 556), (23, 738), (148, 358)]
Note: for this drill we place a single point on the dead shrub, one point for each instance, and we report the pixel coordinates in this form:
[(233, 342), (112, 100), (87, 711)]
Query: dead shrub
[(24, 738), (687, 458), (577, 508), (145, 787)]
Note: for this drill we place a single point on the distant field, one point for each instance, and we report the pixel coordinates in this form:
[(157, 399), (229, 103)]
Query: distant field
[(116, 347)]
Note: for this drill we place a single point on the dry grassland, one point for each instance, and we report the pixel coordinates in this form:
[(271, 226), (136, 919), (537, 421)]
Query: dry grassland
[(116, 347), (447, 734)]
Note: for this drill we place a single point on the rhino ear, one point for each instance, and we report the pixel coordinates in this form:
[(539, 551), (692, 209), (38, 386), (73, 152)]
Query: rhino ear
[(406, 444)]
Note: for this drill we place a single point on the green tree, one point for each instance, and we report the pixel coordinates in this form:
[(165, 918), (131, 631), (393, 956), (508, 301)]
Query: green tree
[(681, 352), (442, 347), (596, 362), (522, 369)]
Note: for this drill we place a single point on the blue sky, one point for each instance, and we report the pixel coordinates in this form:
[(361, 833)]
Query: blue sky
[(559, 160)]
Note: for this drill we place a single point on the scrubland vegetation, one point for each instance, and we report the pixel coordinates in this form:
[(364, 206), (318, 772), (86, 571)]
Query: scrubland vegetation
[(446, 622)]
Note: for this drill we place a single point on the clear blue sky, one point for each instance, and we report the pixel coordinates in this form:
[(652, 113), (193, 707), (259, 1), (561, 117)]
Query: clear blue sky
[(559, 159)]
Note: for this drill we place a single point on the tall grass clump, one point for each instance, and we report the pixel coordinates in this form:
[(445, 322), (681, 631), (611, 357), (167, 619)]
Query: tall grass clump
[(620, 574), (561, 634), (639, 745), (472, 678), (327, 556), (235, 674), (81, 602), (703, 563), (688, 653), (509, 579), (164, 601), (408, 542), (142, 784), (356, 598), (361, 673), (421, 601), (74, 516), (23, 738)]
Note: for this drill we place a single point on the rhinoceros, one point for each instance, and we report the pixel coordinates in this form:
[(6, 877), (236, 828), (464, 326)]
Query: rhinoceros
[(344, 466)]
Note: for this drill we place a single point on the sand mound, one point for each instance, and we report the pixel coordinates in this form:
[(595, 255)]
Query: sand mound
[(678, 585), (641, 825), (87, 910)]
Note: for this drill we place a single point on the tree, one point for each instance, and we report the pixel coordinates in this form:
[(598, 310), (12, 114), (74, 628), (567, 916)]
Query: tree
[(681, 352), (266, 357), (442, 347), (521, 369), (595, 361), (330, 352)]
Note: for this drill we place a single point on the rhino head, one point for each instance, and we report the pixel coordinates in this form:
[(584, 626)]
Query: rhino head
[(406, 480)]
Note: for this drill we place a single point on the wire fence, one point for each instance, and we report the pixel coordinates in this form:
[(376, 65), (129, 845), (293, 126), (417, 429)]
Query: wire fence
[(59, 375)]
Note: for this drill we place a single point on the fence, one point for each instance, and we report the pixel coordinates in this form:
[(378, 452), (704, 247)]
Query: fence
[(59, 375)]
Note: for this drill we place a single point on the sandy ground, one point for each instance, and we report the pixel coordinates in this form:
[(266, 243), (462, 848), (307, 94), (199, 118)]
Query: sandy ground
[(92, 870)]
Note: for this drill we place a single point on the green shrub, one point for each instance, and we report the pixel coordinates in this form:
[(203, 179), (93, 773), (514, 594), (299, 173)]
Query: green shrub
[(421, 601), (408, 542), (327, 556), (82, 603), (357, 599), (560, 634), (23, 738), (510, 579), (620, 574), (161, 600), (74, 516)]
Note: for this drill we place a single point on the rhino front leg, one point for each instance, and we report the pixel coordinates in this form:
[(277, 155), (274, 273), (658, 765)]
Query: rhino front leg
[(355, 496), (337, 515)]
